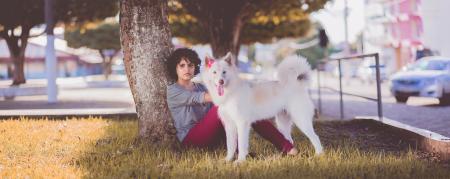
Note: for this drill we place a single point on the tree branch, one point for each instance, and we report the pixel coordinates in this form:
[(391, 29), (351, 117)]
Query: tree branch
[(37, 35), (24, 38), (247, 10)]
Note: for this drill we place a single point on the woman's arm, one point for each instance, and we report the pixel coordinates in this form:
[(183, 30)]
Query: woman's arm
[(180, 97), (207, 97)]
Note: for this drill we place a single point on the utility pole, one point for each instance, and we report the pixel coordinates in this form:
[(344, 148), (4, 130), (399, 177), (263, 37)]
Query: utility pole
[(347, 45), (50, 59), (323, 43)]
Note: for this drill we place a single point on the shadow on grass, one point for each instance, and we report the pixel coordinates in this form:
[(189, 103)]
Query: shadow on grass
[(353, 149)]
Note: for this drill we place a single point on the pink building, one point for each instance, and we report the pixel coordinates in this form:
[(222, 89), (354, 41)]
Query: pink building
[(405, 29), (400, 29)]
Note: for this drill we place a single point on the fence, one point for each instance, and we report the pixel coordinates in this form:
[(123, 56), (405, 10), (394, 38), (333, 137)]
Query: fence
[(341, 101)]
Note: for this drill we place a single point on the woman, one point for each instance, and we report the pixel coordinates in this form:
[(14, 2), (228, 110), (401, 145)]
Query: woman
[(195, 118)]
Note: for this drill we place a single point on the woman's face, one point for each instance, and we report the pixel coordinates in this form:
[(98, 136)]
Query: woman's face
[(185, 70)]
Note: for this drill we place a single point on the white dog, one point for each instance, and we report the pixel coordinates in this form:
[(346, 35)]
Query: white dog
[(242, 102)]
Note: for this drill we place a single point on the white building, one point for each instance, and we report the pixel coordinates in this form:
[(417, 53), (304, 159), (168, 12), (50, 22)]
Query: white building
[(375, 34), (70, 62), (436, 14)]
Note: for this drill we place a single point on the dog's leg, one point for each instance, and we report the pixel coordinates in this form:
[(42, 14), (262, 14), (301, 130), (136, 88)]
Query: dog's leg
[(284, 125), (243, 129), (303, 120), (231, 135)]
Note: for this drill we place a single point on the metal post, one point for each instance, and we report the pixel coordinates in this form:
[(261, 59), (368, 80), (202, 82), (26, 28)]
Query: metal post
[(340, 90), (346, 13), (318, 90), (380, 108), (378, 79), (50, 59)]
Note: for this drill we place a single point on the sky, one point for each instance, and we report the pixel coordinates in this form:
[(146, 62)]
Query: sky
[(332, 19)]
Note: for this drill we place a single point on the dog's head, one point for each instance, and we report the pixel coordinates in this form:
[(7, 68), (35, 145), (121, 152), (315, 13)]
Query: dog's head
[(219, 72)]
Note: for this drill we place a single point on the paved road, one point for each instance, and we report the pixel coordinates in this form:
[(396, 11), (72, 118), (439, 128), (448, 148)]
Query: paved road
[(424, 113), (89, 96)]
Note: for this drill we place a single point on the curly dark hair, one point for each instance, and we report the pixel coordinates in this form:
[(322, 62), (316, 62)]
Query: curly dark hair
[(176, 57)]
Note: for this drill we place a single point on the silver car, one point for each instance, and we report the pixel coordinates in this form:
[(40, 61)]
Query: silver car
[(427, 77)]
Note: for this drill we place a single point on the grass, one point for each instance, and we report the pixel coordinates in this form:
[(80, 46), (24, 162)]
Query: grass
[(101, 148)]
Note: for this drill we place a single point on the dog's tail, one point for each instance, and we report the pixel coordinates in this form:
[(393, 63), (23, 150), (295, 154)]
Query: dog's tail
[(294, 69)]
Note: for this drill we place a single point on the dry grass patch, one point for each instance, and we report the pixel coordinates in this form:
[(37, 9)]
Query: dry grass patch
[(101, 148)]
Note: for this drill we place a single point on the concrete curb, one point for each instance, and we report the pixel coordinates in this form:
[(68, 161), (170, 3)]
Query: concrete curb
[(428, 141)]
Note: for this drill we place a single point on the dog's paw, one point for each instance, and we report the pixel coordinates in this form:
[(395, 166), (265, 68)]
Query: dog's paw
[(239, 161), (224, 161), (292, 152), (228, 158), (319, 153)]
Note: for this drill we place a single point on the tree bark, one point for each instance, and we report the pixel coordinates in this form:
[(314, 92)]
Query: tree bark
[(10, 70), (146, 42), (107, 63), (17, 52)]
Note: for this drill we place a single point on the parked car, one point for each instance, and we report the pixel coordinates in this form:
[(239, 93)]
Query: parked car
[(427, 77)]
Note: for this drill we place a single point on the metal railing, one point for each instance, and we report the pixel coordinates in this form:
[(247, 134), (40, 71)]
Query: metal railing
[(341, 101)]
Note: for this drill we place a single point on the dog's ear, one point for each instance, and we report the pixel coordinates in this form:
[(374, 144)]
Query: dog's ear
[(208, 62), (229, 58)]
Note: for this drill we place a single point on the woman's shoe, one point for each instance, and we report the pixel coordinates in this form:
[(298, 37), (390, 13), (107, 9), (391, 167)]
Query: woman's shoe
[(292, 152)]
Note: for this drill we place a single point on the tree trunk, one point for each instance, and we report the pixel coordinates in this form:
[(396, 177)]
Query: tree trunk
[(224, 36), (222, 20), (107, 63), (17, 52), (146, 42), (108, 68), (19, 72), (10, 70)]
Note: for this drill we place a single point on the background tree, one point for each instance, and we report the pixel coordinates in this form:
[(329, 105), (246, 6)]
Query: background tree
[(228, 24), (314, 53), (321, 50), (17, 17), (103, 36), (146, 42)]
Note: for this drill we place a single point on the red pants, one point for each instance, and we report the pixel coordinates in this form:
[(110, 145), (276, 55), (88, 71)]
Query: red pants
[(209, 132)]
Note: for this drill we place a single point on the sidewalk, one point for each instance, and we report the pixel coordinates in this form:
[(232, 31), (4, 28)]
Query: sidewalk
[(76, 97), (434, 119)]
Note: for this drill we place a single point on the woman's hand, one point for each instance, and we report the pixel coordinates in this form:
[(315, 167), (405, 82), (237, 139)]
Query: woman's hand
[(207, 98)]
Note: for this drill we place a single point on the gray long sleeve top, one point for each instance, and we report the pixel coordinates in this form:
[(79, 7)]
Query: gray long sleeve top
[(186, 107)]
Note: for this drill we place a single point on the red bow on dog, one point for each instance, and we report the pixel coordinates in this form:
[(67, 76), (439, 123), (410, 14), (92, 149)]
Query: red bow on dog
[(209, 62)]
